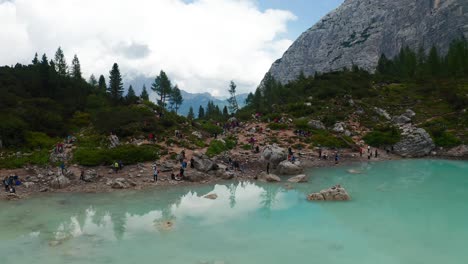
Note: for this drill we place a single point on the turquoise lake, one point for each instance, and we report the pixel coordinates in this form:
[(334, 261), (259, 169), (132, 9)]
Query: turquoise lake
[(408, 211)]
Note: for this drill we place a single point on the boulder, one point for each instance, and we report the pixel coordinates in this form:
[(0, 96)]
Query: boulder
[(91, 175), (415, 142), (268, 177), (381, 112), (298, 179), (196, 176), (28, 184), (274, 155), (60, 182), (316, 124), (211, 196), (203, 163), (121, 183), (288, 168), (339, 127), (335, 193), (460, 151), (197, 134), (114, 141)]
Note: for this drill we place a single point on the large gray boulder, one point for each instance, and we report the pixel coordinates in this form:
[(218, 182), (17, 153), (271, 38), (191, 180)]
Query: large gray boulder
[(359, 31), (196, 176), (263, 176), (405, 118), (60, 182), (288, 168), (274, 155), (203, 163), (91, 175), (335, 193), (316, 124), (415, 142)]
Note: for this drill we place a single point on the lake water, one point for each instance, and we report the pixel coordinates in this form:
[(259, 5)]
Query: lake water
[(409, 211)]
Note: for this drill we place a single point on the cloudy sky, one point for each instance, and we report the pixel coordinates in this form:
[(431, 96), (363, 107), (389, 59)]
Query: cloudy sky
[(201, 44)]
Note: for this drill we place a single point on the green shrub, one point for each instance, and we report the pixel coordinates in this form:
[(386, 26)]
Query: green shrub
[(128, 154), (301, 124), (211, 128), (217, 147), (278, 126), (36, 158), (383, 136), (326, 139), (246, 147), (38, 140), (447, 140)]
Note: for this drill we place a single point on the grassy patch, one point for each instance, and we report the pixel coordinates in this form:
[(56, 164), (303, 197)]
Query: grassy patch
[(217, 147), (128, 154), (278, 126), (36, 158), (383, 136)]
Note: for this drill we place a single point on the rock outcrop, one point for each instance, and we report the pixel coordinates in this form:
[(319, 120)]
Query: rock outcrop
[(60, 182), (359, 31), (203, 163), (121, 183), (415, 142), (288, 168), (335, 193), (274, 155), (316, 124), (298, 179)]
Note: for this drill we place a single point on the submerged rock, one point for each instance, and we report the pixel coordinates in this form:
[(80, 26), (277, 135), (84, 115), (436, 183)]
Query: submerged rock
[(335, 193), (298, 179), (211, 196), (263, 176)]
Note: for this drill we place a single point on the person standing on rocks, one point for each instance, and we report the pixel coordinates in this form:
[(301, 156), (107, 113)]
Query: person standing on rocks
[(155, 172), (82, 175), (337, 158), (320, 153), (368, 149), (62, 168), (268, 168), (376, 153)]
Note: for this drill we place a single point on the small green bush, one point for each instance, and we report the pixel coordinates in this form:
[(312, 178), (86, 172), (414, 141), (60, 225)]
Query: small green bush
[(301, 124), (447, 140), (38, 140), (128, 154), (217, 147), (326, 139), (246, 147), (211, 128), (36, 158), (277, 126), (383, 136)]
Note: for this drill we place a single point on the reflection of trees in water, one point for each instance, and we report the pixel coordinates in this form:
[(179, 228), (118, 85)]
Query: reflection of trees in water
[(269, 196), (232, 197)]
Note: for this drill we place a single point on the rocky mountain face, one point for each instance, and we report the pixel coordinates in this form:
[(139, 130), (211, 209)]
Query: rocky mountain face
[(359, 31)]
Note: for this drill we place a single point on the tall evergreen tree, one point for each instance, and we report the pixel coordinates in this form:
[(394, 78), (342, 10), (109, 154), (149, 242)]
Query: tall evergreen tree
[(162, 86), (433, 62), (76, 68), (35, 61), (115, 88), (60, 64), (225, 111), (233, 106), (102, 86), (92, 81), (201, 112), (144, 94), (190, 114), (44, 61), (131, 97), (176, 98)]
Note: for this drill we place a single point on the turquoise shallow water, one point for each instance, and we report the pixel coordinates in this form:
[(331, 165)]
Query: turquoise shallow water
[(410, 211)]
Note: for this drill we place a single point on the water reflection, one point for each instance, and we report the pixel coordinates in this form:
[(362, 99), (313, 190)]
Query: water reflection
[(234, 201)]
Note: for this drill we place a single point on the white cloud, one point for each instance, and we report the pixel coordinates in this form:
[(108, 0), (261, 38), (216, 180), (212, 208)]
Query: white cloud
[(201, 45)]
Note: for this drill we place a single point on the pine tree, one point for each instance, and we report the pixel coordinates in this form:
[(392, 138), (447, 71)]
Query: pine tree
[(102, 86), (162, 86), (35, 61), (92, 81), (233, 106), (191, 115), (225, 111), (44, 61), (144, 94), (60, 63), (76, 68), (176, 98), (115, 88), (131, 96), (201, 112)]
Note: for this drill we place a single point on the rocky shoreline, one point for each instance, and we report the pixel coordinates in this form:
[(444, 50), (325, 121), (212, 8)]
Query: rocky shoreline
[(44, 181)]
